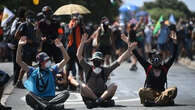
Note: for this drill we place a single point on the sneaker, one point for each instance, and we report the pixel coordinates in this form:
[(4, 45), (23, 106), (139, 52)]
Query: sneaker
[(72, 88), (108, 103), (133, 68), (4, 107), (20, 85), (171, 103), (58, 107), (148, 103), (90, 104)]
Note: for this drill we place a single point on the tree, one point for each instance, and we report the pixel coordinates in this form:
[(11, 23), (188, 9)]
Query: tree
[(98, 8), (167, 7)]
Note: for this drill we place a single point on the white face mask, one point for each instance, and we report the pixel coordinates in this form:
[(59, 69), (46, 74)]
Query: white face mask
[(48, 64), (97, 70)]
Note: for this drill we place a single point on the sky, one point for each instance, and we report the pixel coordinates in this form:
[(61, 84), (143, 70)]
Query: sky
[(189, 3)]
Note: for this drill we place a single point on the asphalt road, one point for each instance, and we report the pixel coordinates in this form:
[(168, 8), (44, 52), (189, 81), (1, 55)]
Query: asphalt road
[(127, 94)]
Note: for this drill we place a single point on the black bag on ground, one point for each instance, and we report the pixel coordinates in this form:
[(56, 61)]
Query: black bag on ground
[(4, 78)]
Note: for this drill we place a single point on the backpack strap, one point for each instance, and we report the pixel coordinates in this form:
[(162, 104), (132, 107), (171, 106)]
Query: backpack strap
[(88, 74), (165, 70), (147, 75)]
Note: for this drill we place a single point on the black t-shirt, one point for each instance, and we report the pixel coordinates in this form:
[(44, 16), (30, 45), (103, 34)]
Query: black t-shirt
[(28, 30), (50, 31), (132, 35)]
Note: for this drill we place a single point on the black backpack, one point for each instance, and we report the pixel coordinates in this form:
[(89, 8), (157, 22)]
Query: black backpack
[(4, 78), (147, 75)]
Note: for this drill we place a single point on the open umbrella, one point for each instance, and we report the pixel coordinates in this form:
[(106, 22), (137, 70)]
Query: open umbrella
[(71, 9), (128, 7)]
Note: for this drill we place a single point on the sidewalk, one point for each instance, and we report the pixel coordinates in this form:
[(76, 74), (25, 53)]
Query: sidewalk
[(187, 62)]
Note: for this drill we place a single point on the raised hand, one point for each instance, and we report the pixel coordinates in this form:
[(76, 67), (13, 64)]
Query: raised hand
[(58, 43), (84, 38), (173, 36), (124, 38), (22, 41), (43, 39), (132, 46)]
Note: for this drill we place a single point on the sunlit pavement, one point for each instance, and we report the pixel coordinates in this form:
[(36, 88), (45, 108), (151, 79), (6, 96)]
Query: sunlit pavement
[(126, 96)]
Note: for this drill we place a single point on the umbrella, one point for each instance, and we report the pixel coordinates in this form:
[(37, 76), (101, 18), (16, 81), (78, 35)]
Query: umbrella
[(172, 19), (71, 9), (128, 7), (141, 13)]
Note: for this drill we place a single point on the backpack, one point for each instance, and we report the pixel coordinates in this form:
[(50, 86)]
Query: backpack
[(4, 78), (147, 75), (104, 77)]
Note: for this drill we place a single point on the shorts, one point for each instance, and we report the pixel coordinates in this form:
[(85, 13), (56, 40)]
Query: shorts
[(106, 50), (162, 47)]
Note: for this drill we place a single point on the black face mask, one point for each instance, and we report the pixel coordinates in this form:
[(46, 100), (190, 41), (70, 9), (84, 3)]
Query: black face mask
[(156, 60), (96, 63)]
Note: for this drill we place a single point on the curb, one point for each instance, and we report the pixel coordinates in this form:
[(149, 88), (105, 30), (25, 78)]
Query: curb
[(7, 91), (187, 62)]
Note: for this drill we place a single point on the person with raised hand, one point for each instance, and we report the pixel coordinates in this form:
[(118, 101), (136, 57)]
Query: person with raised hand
[(41, 80), (94, 90), (154, 91)]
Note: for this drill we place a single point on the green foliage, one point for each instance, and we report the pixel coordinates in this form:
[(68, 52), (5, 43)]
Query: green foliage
[(157, 12), (167, 7), (98, 8)]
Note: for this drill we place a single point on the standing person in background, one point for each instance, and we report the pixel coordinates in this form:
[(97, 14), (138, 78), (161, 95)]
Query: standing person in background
[(148, 39), (105, 39), (74, 39), (131, 35), (162, 39), (27, 29), (49, 32), (19, 20)]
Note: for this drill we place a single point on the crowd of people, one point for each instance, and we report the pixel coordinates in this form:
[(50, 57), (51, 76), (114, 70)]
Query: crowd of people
[(57, 47)]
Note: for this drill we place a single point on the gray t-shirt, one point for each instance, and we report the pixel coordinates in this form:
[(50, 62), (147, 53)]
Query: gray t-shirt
[(96, 82)]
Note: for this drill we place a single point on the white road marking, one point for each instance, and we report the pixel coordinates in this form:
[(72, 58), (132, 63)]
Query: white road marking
[(78, 99)]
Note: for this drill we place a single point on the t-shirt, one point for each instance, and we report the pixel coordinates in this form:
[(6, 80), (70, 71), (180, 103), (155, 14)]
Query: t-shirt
[(132, 35), (104, 38), (28, 30), (97, 84), (163, 36), (42, 83), (50, 31)]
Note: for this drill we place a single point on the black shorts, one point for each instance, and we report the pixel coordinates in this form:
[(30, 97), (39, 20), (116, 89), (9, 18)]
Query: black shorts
[(73, 59), (106, 50), (162, 47)]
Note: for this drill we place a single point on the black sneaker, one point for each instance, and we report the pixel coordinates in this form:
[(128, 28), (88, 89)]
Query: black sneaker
[(58, 107), (133, 68), (171, 103), (108, 103), (4, 107), (72, 88), (90, 104), (20, 85)]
